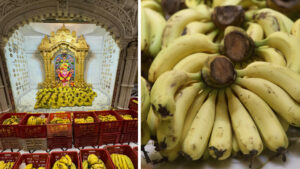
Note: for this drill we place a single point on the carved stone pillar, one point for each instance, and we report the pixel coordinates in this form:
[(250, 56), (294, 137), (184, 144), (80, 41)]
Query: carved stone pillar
[(5, 104), (128, 77)]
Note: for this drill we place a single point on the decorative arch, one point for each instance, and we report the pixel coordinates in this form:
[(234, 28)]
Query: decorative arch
[(119, 17)]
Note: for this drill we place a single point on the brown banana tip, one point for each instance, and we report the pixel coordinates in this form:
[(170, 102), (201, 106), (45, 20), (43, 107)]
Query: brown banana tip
[(281, 151), (186, 156), (218, 153), (163, 111)]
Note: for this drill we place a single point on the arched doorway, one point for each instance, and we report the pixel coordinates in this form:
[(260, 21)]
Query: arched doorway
[(117, 17)]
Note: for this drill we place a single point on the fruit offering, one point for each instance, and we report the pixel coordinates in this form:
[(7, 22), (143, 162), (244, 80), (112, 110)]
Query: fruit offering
[(108, 117), (88, 119), (64, 97), (127, 117), (7, 165), (34, 120), (58, 120), (13, 120), (224, 74), (30, 166), (65, 162), (122, 161), (93, 162)]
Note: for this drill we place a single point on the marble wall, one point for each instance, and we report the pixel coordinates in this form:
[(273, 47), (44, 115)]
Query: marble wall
[(17, 65), (109, 65), (26, 68)]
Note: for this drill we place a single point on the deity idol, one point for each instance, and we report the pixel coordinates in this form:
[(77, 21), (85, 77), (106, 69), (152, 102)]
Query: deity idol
[(65, 74)]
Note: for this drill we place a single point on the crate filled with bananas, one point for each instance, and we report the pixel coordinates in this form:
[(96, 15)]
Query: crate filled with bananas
[(95, 159), (133, 104), (86, 124), (64, 160), (110, 121), (9, 124), (33, 161), (60, 125), (34, 125), (123, 156), (130, 122), (8, 160)]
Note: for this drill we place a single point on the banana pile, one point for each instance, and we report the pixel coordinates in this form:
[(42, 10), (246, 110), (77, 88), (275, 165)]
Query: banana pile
[(105, 118), (30, 166), (8, 165), (13, 120), (122, 161), (127, 117), (58, 120), (224, 81), (88, 119), (65, 162), (34, 120), (93, 162), (64, 97)]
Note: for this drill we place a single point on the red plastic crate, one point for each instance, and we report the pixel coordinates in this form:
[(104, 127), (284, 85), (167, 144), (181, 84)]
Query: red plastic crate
[(100, 153), (126, 150), (10, 157), (129, 137), (10, 130), (85, 141), (59, 142), (132, 105), (60, 130), (108, 138), (111, 126), (129, 125), (54, 156), (85, 129), (37, 159), (35, 131)]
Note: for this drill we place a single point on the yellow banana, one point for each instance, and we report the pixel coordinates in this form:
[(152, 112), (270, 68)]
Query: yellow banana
[(179, 49), (178, 21), (199, 27), (169, 131), (220, 144), (296, 28), (271, 55), (276, 97), (255, 31), (279, 75), (247, 135), (271, 131), (145, 99), (192, 63), (198, 135)]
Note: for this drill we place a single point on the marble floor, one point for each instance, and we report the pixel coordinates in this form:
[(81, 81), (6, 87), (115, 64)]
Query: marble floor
[(26, 103)]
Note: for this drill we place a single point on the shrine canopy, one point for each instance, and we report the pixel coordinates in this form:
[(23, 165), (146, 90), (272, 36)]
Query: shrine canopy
[(64, 56)]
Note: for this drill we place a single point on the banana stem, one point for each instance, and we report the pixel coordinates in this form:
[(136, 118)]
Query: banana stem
[(260, 43), (218, 72), (195, 76), (230, 15)]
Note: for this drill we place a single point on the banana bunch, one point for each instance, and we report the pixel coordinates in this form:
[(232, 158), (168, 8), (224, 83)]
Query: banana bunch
[(88, 119), (30, 166), (127, 117), (58, 120), (122, 161), (13, 120), (65, 162), (221, 110), (64, 97), (153, 24), (34, 120), (93, 162), (109, 117), (8, 165)]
